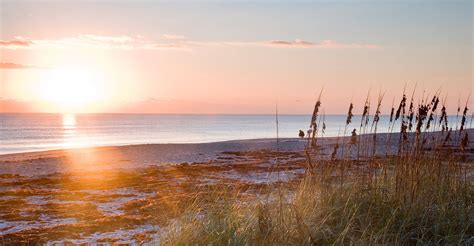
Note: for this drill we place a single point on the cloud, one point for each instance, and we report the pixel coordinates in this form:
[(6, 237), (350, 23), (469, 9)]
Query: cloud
[(298, 43), (91, 41), (325, 44), (9, 65), (15, 43), (105, 42), (168, 42), (174, 37), (109, 39)]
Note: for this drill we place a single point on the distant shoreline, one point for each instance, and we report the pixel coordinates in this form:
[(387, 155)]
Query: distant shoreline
[(144, 155), (55, 150), (45, 132), (267, 141), (194, 114)]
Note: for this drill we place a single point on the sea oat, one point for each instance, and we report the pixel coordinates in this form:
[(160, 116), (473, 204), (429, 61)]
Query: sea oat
[(463, 119), (349, 114)]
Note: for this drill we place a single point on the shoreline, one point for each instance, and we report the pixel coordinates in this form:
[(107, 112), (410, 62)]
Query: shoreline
[(138, 156), (28, 152), (331, 139), (38, 133), (131, 156)]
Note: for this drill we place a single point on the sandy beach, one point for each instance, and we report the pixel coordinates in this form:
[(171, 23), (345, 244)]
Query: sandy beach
[(131, 156), (144, 155), (70, 191), (129, 193)]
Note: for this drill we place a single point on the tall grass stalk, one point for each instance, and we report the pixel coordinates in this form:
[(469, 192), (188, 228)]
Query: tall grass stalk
[(390, 129), (375, 122), (363, 121), (348, 121)]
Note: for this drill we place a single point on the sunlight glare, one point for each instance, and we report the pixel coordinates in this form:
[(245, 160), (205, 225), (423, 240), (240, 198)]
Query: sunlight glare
[(70, 88), (69, 121)]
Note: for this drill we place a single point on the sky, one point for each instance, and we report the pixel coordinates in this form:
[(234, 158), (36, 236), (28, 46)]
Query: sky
[(231, 57)]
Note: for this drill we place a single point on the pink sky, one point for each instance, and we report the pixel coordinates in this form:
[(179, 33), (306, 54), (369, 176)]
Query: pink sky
[(229, 57)]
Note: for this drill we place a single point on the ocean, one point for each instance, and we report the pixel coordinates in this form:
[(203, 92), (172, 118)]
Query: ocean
[(35, 132)]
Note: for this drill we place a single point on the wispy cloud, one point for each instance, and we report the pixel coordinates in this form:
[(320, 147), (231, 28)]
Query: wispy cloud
[(15, 43), (107, 42), (174, 37), (277, 43), (296, 43), (90, 41), (325, 44), (10, 65), (168, 42)]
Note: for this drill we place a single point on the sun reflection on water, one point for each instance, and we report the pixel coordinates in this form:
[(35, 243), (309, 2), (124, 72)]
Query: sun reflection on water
[(69, 121), (79, 154), (69, 130)]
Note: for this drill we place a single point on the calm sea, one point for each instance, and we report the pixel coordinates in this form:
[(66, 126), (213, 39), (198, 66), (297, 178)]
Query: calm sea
[(33, 132)]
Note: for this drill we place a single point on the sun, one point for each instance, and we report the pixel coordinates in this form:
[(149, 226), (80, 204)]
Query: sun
[(70, 88)]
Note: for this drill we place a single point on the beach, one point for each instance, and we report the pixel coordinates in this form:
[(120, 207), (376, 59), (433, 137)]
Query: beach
[(145, 155), (113, 185), (130, 193), (131, 156)]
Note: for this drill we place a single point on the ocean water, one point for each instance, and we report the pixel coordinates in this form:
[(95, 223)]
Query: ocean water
[(34, 132)]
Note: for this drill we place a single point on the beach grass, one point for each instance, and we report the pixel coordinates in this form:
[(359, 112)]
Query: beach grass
[(433, 206), (421, 195)]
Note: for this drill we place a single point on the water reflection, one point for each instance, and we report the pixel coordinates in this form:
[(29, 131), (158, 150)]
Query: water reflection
[(69, 121), (73, 138), (69, 130)]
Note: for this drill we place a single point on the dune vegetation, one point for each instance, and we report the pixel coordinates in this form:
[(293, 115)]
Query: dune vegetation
[(421, 195)]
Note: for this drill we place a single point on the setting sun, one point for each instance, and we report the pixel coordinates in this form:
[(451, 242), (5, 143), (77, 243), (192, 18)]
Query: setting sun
[(69, 88)]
